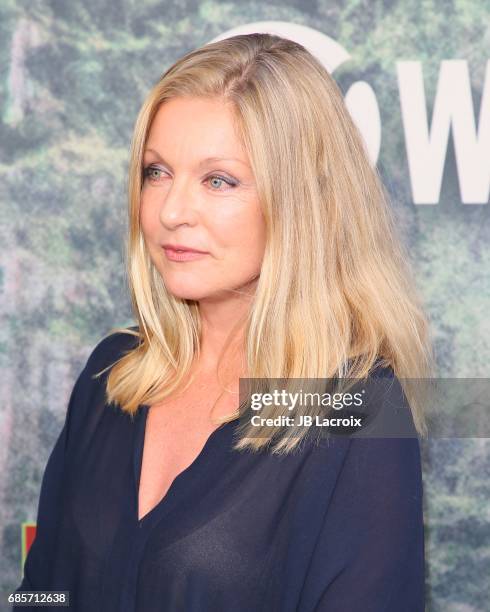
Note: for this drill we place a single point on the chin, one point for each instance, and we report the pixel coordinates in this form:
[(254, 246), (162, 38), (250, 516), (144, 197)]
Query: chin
[(187, 292)]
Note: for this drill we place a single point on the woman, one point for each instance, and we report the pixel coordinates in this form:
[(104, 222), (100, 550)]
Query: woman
[(153, 498)]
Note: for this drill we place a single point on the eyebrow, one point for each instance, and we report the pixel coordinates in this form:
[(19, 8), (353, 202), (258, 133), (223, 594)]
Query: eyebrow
[(202, 162)]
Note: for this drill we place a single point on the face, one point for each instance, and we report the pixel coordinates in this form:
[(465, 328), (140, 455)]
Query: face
[(190, 200)]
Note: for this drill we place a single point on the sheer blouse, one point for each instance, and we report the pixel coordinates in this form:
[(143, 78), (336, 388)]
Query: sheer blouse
[(336, 527)]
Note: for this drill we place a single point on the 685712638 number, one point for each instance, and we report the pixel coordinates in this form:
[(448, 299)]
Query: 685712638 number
[(39, 598)]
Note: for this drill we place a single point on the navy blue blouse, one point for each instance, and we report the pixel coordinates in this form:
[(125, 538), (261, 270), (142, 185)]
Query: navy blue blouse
[(335, 527)]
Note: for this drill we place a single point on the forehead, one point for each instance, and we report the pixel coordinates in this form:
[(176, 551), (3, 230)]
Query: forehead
[(194, 128)]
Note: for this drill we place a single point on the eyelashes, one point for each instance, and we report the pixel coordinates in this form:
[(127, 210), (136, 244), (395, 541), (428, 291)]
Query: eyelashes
[(148, 170)]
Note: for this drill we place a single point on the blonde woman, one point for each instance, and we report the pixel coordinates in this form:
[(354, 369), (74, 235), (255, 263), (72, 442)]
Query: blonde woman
[(261, 245)]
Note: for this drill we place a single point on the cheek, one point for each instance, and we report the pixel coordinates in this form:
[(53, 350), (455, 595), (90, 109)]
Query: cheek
[(246, 234), (148, 218)]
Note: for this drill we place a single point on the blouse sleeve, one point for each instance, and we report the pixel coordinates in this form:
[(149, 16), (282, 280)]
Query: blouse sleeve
[(36, 571), (40, 558), (369, 556)]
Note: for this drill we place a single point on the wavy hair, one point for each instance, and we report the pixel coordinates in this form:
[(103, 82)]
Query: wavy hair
[(335, 293)]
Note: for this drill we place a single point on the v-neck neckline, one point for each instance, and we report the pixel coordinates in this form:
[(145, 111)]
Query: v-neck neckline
[(138, 448)]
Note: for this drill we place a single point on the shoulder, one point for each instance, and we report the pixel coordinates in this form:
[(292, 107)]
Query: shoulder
[(388, 409), (387, 422), (111, 348), (88, 398), (108, 350), (381, 369), (389, 444)]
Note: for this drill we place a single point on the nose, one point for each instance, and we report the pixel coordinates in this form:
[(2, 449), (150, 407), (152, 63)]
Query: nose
[(178, 206)]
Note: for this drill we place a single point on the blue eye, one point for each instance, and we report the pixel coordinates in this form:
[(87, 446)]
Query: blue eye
[(221, 178), (149, 172)]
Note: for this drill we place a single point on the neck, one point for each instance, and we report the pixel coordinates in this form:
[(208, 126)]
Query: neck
[(223, 321)]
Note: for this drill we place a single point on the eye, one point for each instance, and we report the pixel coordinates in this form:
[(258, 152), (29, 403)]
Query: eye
[(151, 172), (220, 179)]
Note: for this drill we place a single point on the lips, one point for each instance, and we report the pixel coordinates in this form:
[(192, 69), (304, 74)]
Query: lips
[(182, 254), (180, 248)]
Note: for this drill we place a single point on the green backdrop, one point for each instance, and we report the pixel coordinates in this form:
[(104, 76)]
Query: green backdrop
[(73, 76)]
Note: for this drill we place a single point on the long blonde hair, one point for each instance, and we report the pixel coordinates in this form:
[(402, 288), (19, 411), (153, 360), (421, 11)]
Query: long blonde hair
[(335, 292)]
